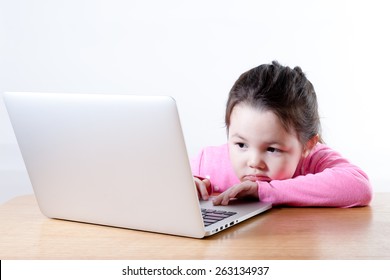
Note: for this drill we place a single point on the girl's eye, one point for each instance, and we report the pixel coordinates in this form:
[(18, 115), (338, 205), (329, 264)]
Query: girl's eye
[(273, 150), (241, 145)]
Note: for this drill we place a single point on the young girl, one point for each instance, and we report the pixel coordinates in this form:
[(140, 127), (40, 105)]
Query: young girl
[(274, 151)]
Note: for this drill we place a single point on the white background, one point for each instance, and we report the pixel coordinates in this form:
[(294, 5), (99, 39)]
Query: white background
[(194, 51)]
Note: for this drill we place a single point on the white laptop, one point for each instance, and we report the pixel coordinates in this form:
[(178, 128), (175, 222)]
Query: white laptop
[(116, 160)]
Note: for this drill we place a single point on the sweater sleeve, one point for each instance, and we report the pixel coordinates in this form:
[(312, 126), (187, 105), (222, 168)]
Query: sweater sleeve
[(195, 163), (214, 163), (323, 179)]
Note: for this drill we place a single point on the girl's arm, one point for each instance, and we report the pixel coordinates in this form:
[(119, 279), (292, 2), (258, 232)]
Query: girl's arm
[(327, 180)]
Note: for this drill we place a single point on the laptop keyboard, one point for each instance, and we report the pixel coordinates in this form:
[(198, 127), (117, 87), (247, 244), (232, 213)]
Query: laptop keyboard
[(211, 216)]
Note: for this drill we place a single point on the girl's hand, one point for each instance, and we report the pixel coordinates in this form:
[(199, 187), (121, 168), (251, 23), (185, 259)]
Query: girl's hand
[(244, 189), (203, 185)]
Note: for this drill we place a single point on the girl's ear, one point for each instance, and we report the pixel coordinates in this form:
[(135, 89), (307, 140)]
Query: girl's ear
[(310, 145)]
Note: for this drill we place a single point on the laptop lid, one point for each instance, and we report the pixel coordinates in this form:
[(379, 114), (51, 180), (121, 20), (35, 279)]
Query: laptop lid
[(117, 160)]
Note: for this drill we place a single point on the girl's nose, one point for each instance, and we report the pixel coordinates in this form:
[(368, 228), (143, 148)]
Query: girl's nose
[(256, 162)]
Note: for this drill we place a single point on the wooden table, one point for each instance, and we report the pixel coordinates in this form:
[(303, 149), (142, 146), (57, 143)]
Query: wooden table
[(281, 233)]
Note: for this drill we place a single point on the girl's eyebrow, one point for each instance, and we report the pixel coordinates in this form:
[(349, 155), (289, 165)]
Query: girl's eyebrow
[(238, 136)]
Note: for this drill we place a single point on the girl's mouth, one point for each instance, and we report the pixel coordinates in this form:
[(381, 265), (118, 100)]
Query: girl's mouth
[(255, 178)]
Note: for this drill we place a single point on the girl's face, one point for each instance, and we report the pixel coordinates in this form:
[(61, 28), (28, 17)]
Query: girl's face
[(260, 148)]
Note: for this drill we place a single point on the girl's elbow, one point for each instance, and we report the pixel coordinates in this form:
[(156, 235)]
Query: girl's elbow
[(363, 194), (368, 194)]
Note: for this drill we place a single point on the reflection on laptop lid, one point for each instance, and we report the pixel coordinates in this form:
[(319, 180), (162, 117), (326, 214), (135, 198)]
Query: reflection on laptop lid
[(116, 160)]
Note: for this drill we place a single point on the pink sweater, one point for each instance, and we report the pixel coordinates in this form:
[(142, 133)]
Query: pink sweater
[(324, 178)]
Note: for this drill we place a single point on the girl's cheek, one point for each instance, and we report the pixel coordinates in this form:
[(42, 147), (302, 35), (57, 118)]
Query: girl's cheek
[(284, 170)]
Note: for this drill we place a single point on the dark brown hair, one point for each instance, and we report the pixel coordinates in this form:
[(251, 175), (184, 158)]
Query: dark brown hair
[(284, 91)]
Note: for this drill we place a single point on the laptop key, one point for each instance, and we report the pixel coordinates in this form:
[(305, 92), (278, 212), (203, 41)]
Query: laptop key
[(212, 216)]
